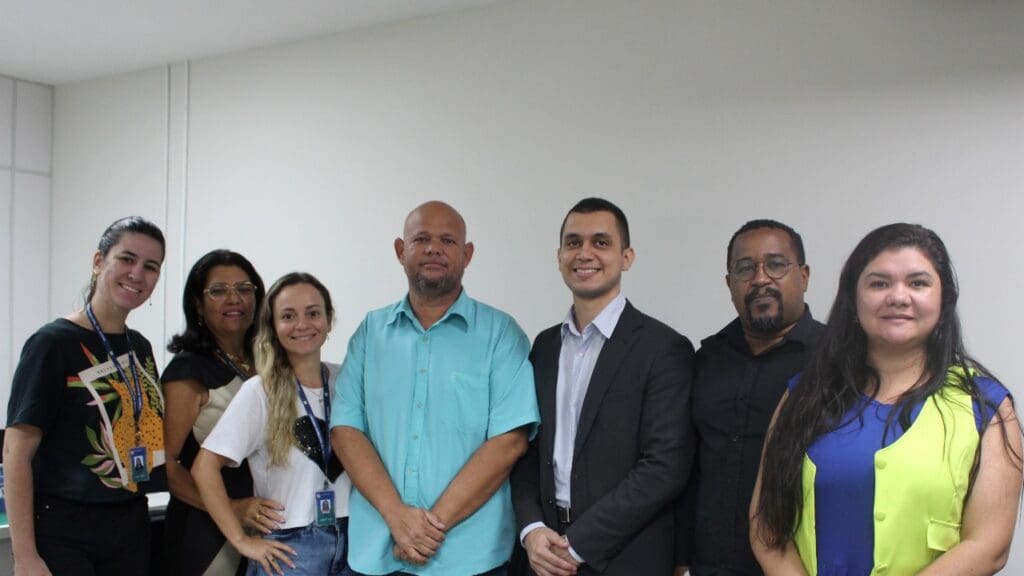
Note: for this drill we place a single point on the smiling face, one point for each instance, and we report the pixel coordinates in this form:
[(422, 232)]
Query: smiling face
[(767, 306), (126, 276), (899, 300), (228, 314), (591, 257), (301, 321), (433, 250)]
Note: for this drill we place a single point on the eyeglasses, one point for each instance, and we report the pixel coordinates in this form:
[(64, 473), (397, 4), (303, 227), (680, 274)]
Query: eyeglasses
[(221, 291), (775, 268)]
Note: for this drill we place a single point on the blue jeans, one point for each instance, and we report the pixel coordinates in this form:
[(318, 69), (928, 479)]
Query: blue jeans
[(499, 571), (320, 550)]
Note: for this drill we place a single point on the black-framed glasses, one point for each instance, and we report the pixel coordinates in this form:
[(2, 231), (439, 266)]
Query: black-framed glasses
[(221, 291), (775, 267)]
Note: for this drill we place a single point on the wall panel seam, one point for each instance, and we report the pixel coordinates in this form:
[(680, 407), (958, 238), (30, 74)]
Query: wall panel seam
[(49, 206), (167, 190), (10, 232), (30, 172), (184, 168)]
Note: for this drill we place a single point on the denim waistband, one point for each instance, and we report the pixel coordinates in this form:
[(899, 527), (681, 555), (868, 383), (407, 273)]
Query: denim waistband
[(340, 524)]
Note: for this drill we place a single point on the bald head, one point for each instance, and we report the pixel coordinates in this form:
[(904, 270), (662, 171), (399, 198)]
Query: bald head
[(434, 210), (433, 250)]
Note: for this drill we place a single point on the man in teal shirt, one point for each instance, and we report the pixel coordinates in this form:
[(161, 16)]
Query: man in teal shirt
[(434, 404)]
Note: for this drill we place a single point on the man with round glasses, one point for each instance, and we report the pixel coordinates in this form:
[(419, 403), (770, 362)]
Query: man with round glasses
[(741, 373)]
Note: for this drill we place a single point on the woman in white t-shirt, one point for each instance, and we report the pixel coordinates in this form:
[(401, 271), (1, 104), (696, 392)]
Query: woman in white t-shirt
[(278, 423)]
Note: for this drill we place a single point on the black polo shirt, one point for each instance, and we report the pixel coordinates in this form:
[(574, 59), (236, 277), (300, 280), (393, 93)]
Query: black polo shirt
[(734, 396)]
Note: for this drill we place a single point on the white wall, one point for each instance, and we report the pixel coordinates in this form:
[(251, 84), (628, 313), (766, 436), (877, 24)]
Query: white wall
[(26, 110), (111, 153), (832, 116)]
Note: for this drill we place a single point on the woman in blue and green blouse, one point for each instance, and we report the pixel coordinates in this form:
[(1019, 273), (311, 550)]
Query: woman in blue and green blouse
[(894, 452)]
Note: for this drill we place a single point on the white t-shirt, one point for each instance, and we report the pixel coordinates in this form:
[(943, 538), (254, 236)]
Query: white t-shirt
[(241, 435)]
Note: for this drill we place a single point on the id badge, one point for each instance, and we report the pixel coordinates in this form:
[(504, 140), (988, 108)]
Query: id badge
[(140, 466), (325, 508)]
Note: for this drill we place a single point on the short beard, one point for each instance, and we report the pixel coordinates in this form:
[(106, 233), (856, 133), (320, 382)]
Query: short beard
[(434, 288), (764, 324)]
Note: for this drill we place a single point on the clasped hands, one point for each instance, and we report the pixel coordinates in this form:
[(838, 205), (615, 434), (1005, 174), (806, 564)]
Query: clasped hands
[(418, 534), (548, 552)]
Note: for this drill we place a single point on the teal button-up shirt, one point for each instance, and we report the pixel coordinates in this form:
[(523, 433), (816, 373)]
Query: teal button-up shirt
[(427, 399)]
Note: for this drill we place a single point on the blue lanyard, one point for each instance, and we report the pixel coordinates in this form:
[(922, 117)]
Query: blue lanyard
[(321, 434), (135, 384), (234, 367)]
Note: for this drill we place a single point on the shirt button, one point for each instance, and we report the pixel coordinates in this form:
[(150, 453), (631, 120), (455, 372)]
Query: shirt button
[(415, 436), (423, 370), (879, 516), (426, 338), (880, 464), (735, 438), (419, 404), (881, 568)]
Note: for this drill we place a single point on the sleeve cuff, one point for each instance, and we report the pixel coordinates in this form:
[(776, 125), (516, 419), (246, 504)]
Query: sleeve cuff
[(529, 528), (350, 420), (575, 556)]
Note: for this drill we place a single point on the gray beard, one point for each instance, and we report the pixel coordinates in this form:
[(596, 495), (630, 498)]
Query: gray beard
[(434, 288)]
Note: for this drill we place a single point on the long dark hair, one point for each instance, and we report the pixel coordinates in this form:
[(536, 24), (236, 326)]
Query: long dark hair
[(839, 375), (112, 235), (197, 337)]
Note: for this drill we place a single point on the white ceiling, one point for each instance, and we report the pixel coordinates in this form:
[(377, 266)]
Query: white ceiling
[(59, 41)]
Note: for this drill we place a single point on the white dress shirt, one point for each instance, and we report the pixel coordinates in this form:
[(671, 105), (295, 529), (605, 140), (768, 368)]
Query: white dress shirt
[(576, 362)]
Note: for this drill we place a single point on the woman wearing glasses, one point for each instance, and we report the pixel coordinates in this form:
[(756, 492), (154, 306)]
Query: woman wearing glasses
[(213, 356), (894, 452), (278, 423), (84, 422)]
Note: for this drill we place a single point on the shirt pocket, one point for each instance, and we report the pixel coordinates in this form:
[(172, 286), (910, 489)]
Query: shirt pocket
[(942, 535), (467, 406)]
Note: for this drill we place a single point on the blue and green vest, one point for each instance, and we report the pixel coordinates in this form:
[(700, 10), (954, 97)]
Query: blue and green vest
[(920, 487)]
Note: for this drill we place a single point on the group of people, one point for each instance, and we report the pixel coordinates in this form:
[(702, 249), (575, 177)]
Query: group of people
[(445, 444)]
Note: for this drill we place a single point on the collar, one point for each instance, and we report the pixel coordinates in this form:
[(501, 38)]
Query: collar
[(805, 332), (462, 309), (604, 323)]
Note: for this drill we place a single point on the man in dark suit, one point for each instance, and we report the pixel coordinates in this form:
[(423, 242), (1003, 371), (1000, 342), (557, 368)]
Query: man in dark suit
[(593, 493)]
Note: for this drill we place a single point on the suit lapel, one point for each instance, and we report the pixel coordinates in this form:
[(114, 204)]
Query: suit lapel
[(613, 353), (546, 374)]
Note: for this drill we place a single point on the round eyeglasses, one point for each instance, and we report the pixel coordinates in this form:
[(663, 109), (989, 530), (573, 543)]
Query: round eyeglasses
[(775, 268)]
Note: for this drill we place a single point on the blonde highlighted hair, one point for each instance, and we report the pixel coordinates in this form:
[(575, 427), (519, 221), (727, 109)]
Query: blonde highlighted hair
[(276, 371)]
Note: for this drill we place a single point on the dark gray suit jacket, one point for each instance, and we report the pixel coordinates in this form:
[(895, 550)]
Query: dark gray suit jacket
[(633, 448)]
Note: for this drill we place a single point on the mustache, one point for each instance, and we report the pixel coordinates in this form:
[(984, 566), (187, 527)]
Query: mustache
[(756, 293)]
